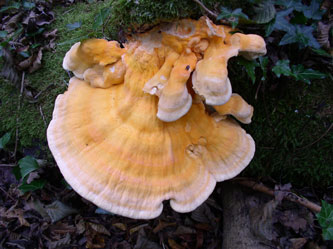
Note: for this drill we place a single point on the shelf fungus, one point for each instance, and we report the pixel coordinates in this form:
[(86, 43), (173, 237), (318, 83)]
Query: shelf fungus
[(132, 130)]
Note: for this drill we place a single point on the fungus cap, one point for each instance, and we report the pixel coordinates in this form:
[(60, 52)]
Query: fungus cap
[(126, 134)]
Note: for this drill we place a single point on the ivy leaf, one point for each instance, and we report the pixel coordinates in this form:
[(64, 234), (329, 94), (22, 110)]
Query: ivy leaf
[(294, 4), (270, 27), (307, 31), (281, 22), (313, 11), (263, 61), (34, 185), (282, 67), (288, 38), (302, 35), (250, 67), (325, 219), (14, 5), (232, 16), (72, 26), (28, 5), (265, 12), (3, 34), (102, 211), (297, 71), (27, 165), (306, 74), (321, 52), (4, 140), (101, 17)]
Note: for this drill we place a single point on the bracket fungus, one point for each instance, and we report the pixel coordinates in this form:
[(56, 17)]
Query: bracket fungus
[(132, 131)]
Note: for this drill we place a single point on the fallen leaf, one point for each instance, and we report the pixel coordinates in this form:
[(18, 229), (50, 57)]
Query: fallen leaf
[(50, 34), (61, 228), (45, 18), (17, 213), (143, 242), (203, 214), (32, 176), (58, 210), (184, 230), (99, 228), (80, 226), (323, 34), (137, 228), (290, 218), (60, 243), (37, 62), (120, 226), (11, 24), (39, 207), (281, 191), (297, 243), (161, 225), (174, 245), (8, 70)]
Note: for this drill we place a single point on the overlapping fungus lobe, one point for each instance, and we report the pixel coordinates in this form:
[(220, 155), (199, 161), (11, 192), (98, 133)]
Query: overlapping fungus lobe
[(133, 130)]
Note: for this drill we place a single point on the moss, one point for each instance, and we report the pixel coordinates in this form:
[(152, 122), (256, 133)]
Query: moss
[(288, 120), (279, 130), (32, 129)]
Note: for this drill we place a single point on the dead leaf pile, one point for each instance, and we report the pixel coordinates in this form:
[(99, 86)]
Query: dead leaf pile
[(24, 37)]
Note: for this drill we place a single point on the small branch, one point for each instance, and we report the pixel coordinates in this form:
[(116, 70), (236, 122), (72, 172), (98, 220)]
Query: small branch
[(7, 194), (42, 114), (8, 165), (18, 115), (35, 99), (290, 196), (206, 9), (317, 140)]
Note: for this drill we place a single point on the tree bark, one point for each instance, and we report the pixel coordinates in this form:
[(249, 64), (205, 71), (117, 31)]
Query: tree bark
[(246, 223)]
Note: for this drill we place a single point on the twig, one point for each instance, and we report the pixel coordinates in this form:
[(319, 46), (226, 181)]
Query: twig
[(18, 115), (8, 165), (7, 194), (42, 114), (206, 9), (317, 140), (290, 196), (41, 92)]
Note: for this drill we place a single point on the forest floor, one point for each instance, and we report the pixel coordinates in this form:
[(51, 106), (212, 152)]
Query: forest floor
[(54, 216)]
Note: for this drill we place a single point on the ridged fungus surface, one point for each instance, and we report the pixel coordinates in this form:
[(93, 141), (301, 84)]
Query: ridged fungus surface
[(132, 131)]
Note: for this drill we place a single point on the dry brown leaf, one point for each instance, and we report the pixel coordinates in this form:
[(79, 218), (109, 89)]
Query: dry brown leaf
[(281, 191), (17, 213), (99, 228), (37, 62), (323, 34), (143, 242), (297, 243), (203, 214), (120, 226), (62, 228), (11, 25), (32, 176), (161, 225), (174, 245), (80, 226), (184, 230), (60, 242), (137, 228), (50, 34), (290, 218)]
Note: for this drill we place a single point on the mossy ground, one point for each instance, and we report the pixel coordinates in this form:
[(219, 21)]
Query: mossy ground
[(289, 116)]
